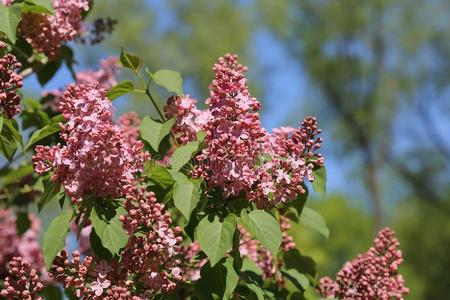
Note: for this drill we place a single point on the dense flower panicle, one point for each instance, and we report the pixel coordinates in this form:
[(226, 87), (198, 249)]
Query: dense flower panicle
[(22, 282), (148, 261), (240, 157), (25, 246), (105, 76), (287, 241), (233, 133), (372, 275), (98, 158), (289, 157), (151, 255), (191, 265), (129, 123), (10, 81), (46, 33), (189, 119), (73, 273)]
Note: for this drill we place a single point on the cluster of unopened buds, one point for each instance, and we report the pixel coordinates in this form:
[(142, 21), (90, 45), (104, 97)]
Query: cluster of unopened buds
[(25, 246), (105, 76), (148, 260), (98, 157), (10, 81), (22, 282), (372, 275), (46, 33)]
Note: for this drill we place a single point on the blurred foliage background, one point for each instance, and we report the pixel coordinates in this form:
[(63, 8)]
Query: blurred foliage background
[(377, 75)]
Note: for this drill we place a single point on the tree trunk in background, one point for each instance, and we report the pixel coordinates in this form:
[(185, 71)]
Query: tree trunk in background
[(374, 190)]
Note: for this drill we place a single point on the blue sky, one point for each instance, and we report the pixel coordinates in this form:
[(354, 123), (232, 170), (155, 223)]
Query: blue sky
[(288, 96)]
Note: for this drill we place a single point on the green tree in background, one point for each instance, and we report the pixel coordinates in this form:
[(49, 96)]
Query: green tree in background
[(382, 72), (368, 59)]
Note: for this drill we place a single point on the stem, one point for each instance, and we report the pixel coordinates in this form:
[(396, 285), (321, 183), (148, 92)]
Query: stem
[(154, 104), (26, 72), (147, 92), (146, 89)]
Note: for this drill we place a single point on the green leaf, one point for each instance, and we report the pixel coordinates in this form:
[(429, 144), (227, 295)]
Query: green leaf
[(22, 222), (293, 259), (55, 237), (120, 89), (201, 136), (154, 132), (320, 180), (66, 54), (130, 61), (217, 282), (170, 80), (8, 143), (9, 19), (52, 128), (186, 194), (176, 175), (300, 281), (52, 190), (109, 228), (296, 206), (159, 174), (97, 247), (216, 237), (14, 175), (14, 128), (315, 221), (52, 292), (264, 227), (249, 265), (47, 71), (38, 7), (257, 290), (183, 154)]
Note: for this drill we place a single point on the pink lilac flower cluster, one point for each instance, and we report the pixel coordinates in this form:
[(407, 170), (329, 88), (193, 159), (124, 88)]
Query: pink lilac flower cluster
[(10, 81), (25, 245), (191, 264), (105, 76), (46, 33), (240, 156), (233, 132), (87, 277), (148, 261), (189, 119), (7, 2), (23, 281), (153, 255), (97, 157), (291, 156), (255, 251), (372, 275), (72, 273), (129, 123)]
